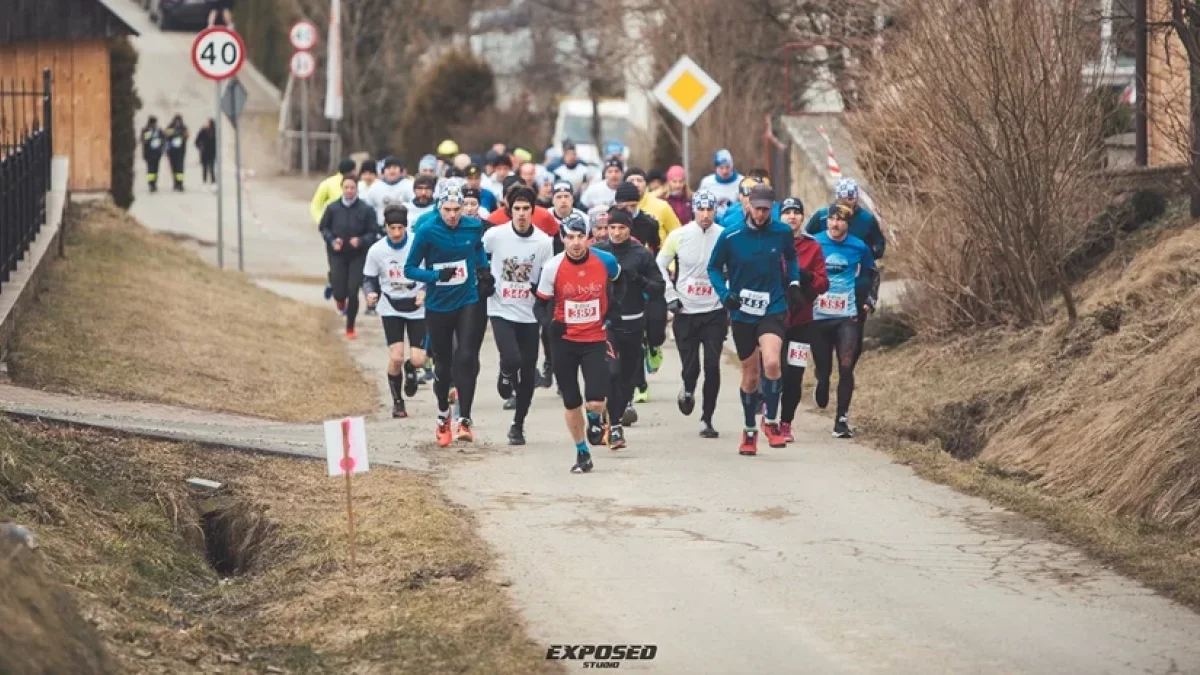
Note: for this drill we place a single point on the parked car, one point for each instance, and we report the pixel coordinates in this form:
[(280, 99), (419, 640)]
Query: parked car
[(179, 14)]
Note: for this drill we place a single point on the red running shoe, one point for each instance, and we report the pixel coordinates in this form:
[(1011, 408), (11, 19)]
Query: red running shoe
[(749, 445), (786, 429), (443, 432), (775, 437)]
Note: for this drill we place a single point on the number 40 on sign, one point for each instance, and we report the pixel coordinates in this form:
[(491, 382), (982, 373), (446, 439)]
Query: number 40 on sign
[(218, 53)]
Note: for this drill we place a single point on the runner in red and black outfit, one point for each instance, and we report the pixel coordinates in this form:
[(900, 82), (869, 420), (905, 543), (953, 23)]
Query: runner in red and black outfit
[(796, 341), (575, 295)]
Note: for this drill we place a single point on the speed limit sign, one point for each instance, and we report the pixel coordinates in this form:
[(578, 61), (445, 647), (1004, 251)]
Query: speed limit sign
[(218, 53), (303, 35), (303, 65)]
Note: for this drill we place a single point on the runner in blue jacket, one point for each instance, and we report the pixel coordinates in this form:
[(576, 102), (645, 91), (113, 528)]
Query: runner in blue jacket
[(447, 254), (754, 271)]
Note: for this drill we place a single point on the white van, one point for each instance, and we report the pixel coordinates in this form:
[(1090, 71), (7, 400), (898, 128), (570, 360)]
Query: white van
[(575, 124)]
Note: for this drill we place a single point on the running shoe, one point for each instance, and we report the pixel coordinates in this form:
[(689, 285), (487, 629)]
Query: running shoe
[(687, 402), (328, 292), (341, 306), (654, 359), (398, 411), (516, 435), (821, 394), (629, 417), (841, 428), (510, 403), (443, 431), (707, 431), (786, 429), (775, 437), (595, 429), (641, 395), (410, 379), (616, 438), (583, 462), (504, 386), (546, 377), (749, 444), (351, 334), (464, 430), (428, 375)]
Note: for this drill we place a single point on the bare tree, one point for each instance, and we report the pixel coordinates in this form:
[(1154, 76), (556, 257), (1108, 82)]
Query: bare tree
[(990, 100)]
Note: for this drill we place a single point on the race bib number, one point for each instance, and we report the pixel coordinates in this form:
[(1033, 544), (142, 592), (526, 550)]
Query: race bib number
[(399, 285), (834, 303), (581, 312), (156, 144), (797, 354), (515, 290), (176, 142), (699, 289), (460, 272), (755, 303)]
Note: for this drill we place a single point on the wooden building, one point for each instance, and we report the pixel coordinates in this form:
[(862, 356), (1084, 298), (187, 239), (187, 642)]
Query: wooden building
[(1167, 95), (70, 37)]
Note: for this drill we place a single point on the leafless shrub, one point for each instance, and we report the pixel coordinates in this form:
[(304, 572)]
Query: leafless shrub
[(996, 185)]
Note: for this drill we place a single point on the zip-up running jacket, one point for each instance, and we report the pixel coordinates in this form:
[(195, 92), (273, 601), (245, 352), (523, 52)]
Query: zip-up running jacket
[(746, 261), (633, 257), (437, 246), (690, 247), (809, 257)]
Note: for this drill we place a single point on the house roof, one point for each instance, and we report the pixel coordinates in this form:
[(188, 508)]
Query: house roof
[(29, 20)]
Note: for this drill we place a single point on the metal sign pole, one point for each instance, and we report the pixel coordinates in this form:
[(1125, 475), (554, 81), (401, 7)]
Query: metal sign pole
[(220, 183), (237, 145), (304, 126), (686, 174)]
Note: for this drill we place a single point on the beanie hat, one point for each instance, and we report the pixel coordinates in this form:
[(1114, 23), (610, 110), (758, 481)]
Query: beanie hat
[(395, 214), (470, 192), (392, 161), (509, 181), (655, 175), (847, 188), (563, 186), (521, 193), (676, 173), (368, 166), (425, 181), (619, 217), (722, 157), (427, 162), (574, 223), (346, 166), (703, 199), (627, 192), (634, 171)]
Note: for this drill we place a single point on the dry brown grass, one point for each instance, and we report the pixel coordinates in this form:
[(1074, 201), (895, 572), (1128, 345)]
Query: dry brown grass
[(1092, 428), (118, 528), (131, 314)]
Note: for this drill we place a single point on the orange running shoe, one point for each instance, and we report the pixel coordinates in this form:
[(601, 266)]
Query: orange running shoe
[(464, 430), (351, 334), (775, 437), (749, 444), (443, 431)]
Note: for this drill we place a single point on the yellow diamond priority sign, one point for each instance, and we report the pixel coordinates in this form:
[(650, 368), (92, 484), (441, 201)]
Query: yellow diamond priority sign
[(686, 91)]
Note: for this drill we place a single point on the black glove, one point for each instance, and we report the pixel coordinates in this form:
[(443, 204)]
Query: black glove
[(487, 283), (733, 302), (674, 306), (446, 274), (558, 329), (806, 277), (795, 295)]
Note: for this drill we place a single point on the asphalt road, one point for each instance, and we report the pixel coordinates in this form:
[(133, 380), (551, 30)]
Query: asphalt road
[(822, 557)]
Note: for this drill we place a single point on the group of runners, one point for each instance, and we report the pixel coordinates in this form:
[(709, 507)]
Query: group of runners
[(468, 243)]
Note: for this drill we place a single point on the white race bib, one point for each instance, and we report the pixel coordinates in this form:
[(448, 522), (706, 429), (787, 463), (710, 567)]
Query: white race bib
[(460, 272), (834, 303), (156, 144), (755, 303), (697, 289), (797, 354), (177, 142), (515, 290), (581, 312)]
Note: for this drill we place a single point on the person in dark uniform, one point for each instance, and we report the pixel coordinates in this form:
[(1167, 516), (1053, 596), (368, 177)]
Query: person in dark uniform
[(206, 143), (177, 137), (152, 150)]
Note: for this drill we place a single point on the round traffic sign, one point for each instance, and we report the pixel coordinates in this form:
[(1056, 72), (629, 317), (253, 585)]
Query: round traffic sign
[(303, 35), (218, 53), (303, 65)]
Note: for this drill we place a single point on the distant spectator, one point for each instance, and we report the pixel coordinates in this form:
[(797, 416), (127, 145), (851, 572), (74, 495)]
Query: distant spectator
[(220, 13)]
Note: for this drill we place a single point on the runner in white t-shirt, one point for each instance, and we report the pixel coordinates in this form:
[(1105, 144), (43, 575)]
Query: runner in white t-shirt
[(400, 302), (518, 250)]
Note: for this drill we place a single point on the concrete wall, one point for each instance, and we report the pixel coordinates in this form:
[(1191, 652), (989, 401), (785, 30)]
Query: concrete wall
[(810, 177)]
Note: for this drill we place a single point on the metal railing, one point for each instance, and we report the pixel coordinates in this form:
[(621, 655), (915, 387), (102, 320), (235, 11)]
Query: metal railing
[(26, 148)]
